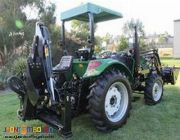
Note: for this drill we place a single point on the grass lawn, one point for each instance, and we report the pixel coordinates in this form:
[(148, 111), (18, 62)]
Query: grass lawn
[(159, 122), (170, 62)]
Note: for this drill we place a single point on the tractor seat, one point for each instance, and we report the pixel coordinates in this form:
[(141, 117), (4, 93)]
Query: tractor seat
[(64, 65), (125, 59)]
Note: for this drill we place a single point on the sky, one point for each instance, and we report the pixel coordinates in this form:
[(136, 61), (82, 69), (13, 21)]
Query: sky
[(157, 15)]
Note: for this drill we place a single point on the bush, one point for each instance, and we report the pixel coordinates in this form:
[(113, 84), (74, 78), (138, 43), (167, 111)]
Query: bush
[(18, 67)]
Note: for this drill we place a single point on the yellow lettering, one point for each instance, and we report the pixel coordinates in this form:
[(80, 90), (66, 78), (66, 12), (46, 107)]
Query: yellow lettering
[(11, 129)]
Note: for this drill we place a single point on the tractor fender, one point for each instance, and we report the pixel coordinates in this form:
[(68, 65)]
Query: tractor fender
[(98, 66)]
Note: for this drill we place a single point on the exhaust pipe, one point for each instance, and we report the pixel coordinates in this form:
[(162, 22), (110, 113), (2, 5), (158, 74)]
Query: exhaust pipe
[(136, 51)]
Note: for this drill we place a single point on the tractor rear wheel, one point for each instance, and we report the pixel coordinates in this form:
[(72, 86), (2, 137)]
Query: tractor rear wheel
[(110, 101), (153, 89)]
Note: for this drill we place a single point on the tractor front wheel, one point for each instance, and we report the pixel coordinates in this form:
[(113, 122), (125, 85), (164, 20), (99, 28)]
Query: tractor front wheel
[(153, 89), (110, 101)]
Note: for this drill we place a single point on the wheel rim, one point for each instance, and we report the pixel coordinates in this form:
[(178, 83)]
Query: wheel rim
[(116, 101), (157, 90)]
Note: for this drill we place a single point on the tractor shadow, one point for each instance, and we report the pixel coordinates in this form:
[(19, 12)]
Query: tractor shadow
[(136, 98)]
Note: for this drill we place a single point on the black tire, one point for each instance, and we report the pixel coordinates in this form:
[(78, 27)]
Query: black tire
[(97, 102), (173, 78), (153, 93)]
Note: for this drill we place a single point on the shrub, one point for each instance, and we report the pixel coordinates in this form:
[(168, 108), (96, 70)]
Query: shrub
[(17, 67)]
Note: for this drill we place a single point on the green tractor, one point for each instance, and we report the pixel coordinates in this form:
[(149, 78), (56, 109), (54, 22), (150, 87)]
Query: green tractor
[(101, 86)]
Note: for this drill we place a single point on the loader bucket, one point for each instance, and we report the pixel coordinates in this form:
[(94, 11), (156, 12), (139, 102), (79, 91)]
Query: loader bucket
[(170, 74)]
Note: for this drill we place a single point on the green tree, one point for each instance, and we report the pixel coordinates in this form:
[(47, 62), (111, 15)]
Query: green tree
[(128, 30), (163, 38), (128, 27), (15, 28), (98, 42), (123, 43), (80, 30), (143, 45), (46, 14)]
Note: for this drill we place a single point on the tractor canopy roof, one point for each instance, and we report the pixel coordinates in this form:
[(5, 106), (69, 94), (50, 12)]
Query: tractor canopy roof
[(81, 13)]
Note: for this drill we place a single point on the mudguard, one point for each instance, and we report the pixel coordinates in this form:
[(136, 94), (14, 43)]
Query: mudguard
[(98, 66)]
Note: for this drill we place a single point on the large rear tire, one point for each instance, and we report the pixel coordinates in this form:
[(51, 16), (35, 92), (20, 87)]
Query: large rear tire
[(154, 89), (110, 101)]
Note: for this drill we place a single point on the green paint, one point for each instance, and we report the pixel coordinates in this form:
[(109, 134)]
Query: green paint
[(19, 24), (79, 67)]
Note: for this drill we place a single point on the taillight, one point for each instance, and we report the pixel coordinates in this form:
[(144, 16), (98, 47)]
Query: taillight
[(93, 65)]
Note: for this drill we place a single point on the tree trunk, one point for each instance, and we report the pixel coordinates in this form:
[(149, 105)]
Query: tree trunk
[(1, 59)]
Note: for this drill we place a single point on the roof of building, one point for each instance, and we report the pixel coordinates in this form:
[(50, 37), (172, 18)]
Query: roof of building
[(81, 13)]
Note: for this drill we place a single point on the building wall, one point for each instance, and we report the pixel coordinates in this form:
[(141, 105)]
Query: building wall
[(176, 52)]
